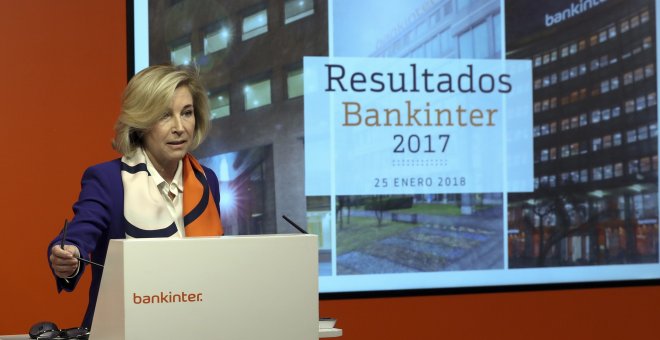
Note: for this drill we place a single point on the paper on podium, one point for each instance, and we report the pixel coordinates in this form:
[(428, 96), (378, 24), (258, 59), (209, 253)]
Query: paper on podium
[(231, 287)]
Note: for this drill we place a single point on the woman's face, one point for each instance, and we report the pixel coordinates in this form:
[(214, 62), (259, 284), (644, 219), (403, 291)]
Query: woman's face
[(170, 138)]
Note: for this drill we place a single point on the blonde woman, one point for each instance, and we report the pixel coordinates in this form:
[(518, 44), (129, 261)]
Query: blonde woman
[(157, 189)]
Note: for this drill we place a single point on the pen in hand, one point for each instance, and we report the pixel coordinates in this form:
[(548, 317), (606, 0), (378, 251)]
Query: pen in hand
[(66, 224), (87, 261)]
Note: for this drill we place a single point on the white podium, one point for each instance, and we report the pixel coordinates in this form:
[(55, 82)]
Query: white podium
[(231, 287)]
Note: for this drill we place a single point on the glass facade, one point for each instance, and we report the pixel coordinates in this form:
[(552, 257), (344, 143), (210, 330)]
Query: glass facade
[(595, 145), (446, 31)]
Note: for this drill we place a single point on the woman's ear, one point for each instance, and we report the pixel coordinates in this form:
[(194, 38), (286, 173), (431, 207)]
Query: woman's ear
[(135, 137)]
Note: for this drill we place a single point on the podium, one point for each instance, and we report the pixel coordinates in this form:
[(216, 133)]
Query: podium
[(231, 287)]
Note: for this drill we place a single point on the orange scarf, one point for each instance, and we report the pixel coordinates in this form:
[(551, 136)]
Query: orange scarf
[(200, 213)]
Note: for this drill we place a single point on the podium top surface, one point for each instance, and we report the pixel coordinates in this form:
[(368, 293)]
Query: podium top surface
[(323, 333), (214, 238)]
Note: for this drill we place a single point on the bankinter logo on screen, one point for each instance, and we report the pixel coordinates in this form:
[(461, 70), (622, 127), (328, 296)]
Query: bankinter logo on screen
[(574, 9)]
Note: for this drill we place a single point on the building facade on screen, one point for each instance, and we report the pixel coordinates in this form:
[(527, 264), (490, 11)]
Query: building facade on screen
[(448, 29), (250, 56), (431, 232), (595, 133)]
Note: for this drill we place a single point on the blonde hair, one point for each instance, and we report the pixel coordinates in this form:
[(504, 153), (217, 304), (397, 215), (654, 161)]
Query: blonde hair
[(148, 95)]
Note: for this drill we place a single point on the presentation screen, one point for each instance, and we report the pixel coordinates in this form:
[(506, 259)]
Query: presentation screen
[(430, 143)]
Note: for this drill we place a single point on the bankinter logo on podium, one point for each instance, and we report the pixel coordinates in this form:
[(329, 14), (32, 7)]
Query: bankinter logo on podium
[(168, 297)]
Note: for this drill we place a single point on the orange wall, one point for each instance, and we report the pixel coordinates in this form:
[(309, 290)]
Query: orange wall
[(613, 313), (64, 69)]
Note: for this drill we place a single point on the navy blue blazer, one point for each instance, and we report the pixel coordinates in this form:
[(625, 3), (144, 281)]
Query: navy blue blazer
[(98, 218)]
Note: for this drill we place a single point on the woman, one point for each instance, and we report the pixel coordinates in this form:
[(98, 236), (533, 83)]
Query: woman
[(164, 115)]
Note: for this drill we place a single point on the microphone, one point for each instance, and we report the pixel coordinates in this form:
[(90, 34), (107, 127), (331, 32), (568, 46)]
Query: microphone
[(294, 225)]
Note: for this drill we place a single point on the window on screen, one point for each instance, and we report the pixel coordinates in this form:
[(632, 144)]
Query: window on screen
[(297, 9), (257, 94), (255, 24), (217, 40), (219, 103), (294, 82), (181, 55)]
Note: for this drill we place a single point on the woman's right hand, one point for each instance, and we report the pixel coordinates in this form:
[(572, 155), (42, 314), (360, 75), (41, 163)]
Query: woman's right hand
[(63, 262)]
